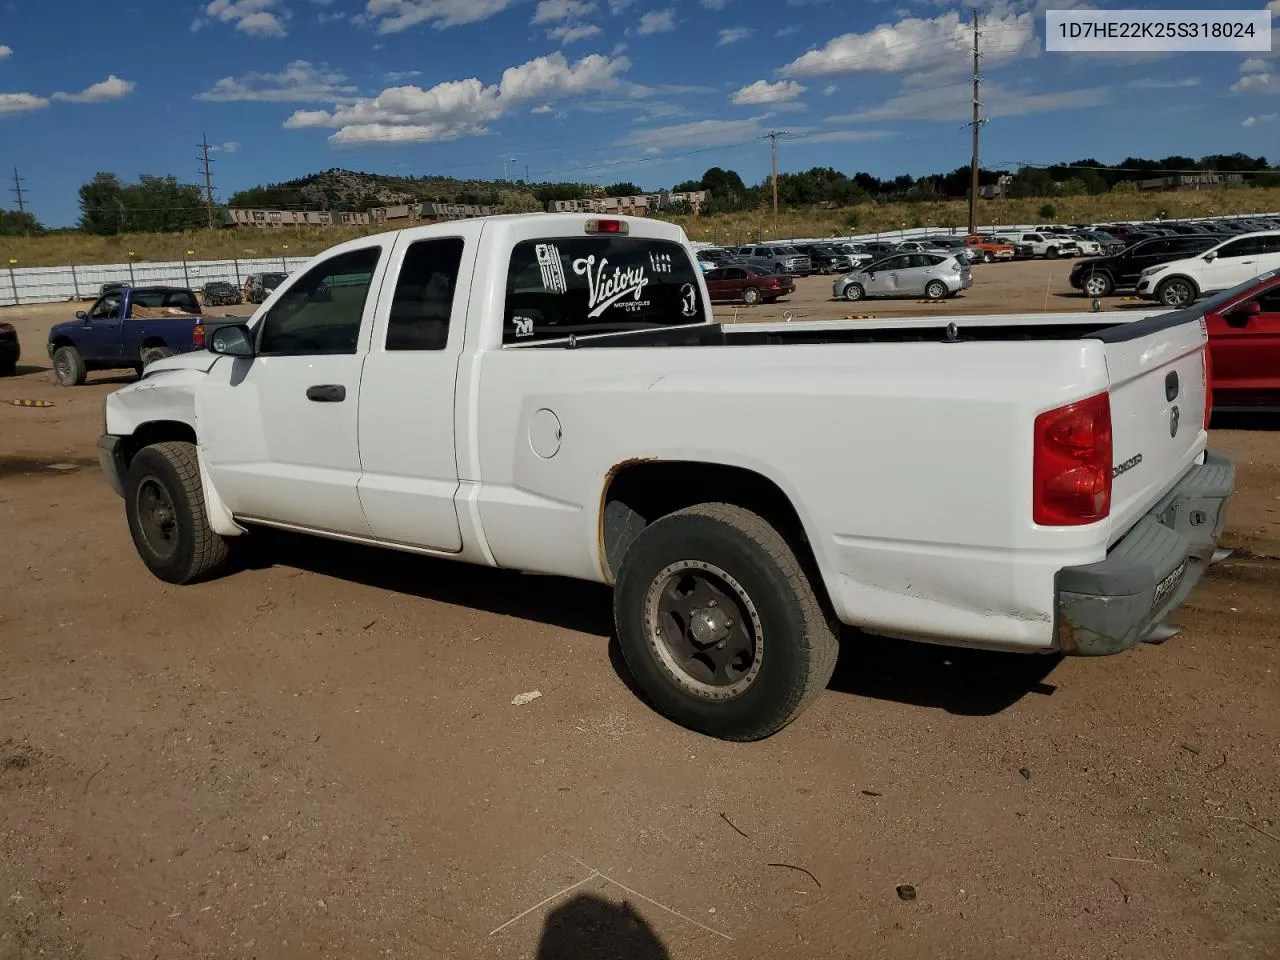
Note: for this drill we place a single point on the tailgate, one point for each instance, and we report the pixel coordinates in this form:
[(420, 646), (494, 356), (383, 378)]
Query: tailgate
[(1157, 373)]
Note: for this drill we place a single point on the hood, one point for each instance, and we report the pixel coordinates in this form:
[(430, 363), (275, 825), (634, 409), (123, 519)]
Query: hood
[(200, 361), (66, 327)]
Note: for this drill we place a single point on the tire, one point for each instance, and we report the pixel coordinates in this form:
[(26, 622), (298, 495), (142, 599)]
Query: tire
[(1099, 285), (987, 257), (935, 290), (164, 501), (1051, 253), (854, 292), (742, 565), (8, 368), (751, 296), (151, 354), (68, 367), (1176, 292)]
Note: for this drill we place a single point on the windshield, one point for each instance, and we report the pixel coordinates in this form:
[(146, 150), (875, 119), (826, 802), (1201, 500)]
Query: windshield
[(273, 279), (1226, 296)]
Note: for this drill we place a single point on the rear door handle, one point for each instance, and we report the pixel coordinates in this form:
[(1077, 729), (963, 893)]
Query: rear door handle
[(327, 393)]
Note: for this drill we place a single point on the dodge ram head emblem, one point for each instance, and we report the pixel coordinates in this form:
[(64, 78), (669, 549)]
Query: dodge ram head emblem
[(1174, 417)]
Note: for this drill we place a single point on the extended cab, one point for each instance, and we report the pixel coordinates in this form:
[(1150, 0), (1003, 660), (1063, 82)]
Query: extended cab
[(551, 394), (126, 329)]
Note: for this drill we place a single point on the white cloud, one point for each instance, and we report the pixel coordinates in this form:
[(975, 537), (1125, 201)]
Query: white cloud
[(1150, 83), (229, 147), (1248, 121), (733, 35), (762, 91), (21, 103), (829, 89), (1257, 83), (618, 6), (393, 16), (714, 4), (619, 49), (657, 21), (104, 91), (299, 82), (847, 136), (701, 133), (913, 43), (553, 11), (399, 76), (787, 31), (330, 17), (459, 108), (5, 51), (1255, 64), (954, 104), (258, 18), (567, 33), (544, 108)]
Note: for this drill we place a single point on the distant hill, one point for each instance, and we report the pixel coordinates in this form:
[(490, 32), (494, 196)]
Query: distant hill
[(339, 189)]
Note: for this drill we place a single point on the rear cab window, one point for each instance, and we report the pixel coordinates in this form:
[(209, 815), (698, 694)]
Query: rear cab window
[(582, 286)]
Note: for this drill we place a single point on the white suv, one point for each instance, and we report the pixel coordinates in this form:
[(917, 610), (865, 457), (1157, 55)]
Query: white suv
[(1231, 262)]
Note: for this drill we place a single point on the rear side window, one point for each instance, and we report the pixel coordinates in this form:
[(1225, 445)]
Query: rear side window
[(589, 285), (423, 302)]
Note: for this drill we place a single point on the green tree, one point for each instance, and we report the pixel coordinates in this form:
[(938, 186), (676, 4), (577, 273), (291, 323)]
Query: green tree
[(1047, 211), (623, 189), (102, 205), (163, 205), (14, 223), (517, 201)]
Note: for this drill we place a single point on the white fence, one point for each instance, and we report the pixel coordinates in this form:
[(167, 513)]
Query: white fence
[(20, 285)]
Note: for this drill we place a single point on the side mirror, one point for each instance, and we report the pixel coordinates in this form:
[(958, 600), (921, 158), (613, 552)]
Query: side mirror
[(1211, 256), (233, 340), (81, 315)]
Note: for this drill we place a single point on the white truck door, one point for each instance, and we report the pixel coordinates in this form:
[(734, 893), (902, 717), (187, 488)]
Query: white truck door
[(278, 430), (409, 471)]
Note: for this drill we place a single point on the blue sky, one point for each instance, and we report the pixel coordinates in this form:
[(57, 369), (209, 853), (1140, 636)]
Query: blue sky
[(653, 91)]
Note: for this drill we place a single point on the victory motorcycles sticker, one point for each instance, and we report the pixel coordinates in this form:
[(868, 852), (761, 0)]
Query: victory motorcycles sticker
[(619, 286)]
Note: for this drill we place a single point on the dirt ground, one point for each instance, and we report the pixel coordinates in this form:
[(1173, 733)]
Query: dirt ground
[(319, 757)]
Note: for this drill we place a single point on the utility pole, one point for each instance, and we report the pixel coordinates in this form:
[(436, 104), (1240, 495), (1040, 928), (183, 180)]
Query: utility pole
[(977, 122), (208, 176), (773, 136), (16, 189)]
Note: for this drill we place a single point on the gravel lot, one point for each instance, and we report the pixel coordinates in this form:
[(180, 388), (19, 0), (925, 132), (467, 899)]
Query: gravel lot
[(319, 756)]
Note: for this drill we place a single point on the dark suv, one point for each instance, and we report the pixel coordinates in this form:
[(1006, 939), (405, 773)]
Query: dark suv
[(1101, 276)]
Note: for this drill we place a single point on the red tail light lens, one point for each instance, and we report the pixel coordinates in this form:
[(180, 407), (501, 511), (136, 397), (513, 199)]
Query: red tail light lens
[(1206, 370), (1072, 464), (197, 335)]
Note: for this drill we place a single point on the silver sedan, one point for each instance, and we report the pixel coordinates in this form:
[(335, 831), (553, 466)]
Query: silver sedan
[(933, 275)]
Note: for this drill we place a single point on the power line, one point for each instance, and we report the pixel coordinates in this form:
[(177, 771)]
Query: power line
[(16, 189), (208, 176)]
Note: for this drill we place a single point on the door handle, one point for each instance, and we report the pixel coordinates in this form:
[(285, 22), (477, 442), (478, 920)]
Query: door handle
[(327, 393)]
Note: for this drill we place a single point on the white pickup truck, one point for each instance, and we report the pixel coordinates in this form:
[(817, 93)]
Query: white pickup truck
[(551, 393)]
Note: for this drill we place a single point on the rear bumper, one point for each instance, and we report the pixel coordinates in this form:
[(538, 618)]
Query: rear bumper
[(1110, 606), (111, 459)]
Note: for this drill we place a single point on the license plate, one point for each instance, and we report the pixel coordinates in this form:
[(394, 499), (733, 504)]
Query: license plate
[(1169, 582)]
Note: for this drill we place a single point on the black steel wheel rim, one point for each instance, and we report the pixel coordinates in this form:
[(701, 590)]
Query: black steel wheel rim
[(704, 629), (157, 518)]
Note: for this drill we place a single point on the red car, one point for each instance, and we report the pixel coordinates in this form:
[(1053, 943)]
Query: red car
[(1244, 345), (751, 285)]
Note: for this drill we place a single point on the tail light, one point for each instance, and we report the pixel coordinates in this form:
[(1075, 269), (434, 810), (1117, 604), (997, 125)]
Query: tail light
[(197, 335), (1206, 373), (7, 328), (1072, 467)]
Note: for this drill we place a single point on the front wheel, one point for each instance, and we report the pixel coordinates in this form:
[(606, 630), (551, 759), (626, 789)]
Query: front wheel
[(1051, 253), (1099, 285), (68, 367), (751, 296), (935, 290), (1176, 292), (720, 625), (987, 257), (854, 292), (164, 502)]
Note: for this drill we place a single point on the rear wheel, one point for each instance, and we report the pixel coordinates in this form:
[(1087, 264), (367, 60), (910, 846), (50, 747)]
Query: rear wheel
[(854, 291), (987, 257), (1176, 292), (1099, 285), (719, 623), (164, 501), (152, 354), (68, 367), (935, 290), (751, 296), (1051, 253), (8, 368)]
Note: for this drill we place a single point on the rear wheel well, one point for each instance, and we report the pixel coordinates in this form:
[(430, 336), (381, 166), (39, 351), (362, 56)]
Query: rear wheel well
[(150, 342), (639, 493), (156, 431)]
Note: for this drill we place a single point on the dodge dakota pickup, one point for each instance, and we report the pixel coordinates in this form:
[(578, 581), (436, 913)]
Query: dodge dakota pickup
[(551, 394)]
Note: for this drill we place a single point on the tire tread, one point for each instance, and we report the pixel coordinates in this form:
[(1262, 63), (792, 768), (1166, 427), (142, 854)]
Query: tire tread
[(209, 552)]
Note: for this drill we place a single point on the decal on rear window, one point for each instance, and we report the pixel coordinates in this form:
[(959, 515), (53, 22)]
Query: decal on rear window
[(552, 268)]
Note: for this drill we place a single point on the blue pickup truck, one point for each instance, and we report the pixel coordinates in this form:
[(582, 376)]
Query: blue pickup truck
[(126, 329)]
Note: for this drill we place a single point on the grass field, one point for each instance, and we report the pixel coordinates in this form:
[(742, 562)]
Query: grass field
[(60, 249)]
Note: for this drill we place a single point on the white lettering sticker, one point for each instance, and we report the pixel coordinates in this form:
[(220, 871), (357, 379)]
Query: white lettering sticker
[(524, 326), (551, 267), (661, 262), (689, 300), (605, 290)]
